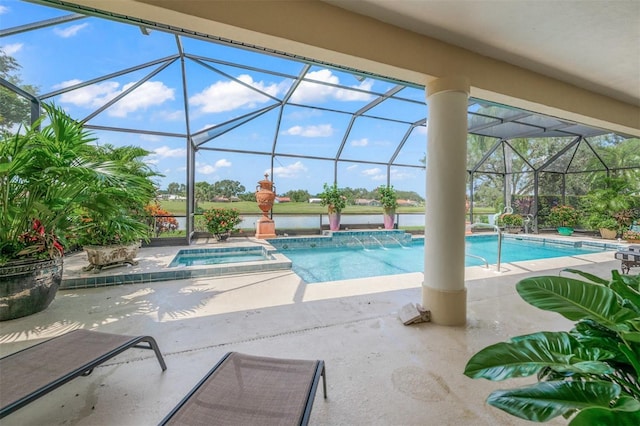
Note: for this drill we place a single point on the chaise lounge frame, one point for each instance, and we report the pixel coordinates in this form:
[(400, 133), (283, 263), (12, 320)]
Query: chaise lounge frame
[(28, 374), (252, 390), (629, 258)]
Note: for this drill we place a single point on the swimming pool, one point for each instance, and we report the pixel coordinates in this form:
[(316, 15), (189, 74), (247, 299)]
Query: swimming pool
[(320, 264), (199, 257)]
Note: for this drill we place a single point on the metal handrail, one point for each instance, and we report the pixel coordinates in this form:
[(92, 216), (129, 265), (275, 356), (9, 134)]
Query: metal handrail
[(499, 232), (486, 264)]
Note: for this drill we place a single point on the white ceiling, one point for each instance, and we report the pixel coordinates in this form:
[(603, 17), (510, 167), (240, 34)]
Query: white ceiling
[(593, 44)]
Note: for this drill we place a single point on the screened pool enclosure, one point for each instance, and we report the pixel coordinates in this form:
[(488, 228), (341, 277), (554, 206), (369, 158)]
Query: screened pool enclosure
[(210, 109)]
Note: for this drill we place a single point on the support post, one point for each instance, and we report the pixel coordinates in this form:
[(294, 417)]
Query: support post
[(443, 289)]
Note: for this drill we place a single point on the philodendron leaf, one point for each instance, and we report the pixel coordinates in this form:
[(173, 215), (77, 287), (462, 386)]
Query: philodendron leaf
[(575, 300), (590, 277), (526, 355), (630, 296), (625, 413), (546, 400)]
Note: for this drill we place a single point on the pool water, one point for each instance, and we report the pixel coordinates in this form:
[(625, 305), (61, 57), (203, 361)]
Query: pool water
[(200, 257), (333, 264)]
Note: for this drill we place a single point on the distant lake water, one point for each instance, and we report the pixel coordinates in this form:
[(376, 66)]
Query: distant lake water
[(314, 221)]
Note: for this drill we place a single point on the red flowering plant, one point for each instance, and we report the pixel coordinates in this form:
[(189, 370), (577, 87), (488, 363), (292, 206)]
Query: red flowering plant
[(222, 221), (39, 242)]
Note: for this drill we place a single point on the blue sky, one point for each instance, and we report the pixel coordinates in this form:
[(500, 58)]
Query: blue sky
[(67, 55)]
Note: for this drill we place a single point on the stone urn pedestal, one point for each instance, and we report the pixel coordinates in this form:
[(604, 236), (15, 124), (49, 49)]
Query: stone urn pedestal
[(265, 195)]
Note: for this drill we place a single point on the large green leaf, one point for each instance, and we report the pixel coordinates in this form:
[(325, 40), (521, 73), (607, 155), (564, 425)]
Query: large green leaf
[(575, 300), (546, 400), (526, 355), (593, 278), (625, 413)]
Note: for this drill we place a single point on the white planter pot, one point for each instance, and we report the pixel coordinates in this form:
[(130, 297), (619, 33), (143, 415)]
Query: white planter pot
[(114, 255)]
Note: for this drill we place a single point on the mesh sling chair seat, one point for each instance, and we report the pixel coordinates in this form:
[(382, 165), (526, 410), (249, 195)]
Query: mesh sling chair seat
[(251, 390), (28, 374), (629, 258)]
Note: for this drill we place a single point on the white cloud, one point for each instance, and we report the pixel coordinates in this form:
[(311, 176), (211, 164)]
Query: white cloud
[(421, 130), (230, 95), (171, 115), (3, 9), (291, 171), (353, 167), (223, 162), (92, 96), (208, 169), (360, 142), (69, 31), (150, 138), (319, 131), (308, 91), (397, 175), (375, 174), (148, 94), (166, 152), (12, 49), (372, 172)]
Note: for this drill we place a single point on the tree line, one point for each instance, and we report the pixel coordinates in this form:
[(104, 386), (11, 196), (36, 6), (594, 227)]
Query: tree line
[(226, 188)]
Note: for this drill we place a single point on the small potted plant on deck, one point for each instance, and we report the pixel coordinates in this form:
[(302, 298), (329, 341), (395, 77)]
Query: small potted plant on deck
[(565, 218), (632, 235), (221, 222), (512, 222), (333, 197), (389, 202)]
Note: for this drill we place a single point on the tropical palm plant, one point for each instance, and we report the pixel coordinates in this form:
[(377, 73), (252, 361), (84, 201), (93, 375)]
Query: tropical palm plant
[(116, 213), (49, 173), (43, 177), (590, 374)]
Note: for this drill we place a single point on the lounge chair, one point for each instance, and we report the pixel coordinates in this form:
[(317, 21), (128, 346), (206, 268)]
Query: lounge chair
[(28, 374), (251, 390), (629, 258)]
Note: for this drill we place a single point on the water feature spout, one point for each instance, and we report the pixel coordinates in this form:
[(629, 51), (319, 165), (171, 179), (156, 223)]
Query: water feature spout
[(360, 242), (397, 241), (378, 241)]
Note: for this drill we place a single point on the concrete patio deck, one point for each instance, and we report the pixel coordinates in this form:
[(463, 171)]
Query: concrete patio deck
[(379, 372)]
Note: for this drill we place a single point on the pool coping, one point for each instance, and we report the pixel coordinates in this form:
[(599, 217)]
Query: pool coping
[(154, 266)]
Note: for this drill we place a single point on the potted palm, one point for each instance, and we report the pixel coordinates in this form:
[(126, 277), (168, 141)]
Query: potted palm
[(333, 197), (604, 205), (512, 222), (389, 202), (565, 218), (111, 226), (46, 173)]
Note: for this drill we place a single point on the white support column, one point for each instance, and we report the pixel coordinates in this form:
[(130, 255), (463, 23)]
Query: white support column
[(443, 290)]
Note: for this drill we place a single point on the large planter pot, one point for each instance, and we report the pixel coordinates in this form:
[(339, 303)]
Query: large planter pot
[(114, 255), (565, 230), (27, 287), (388, 218), (334, 221), (608, 234), (222, 237)]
